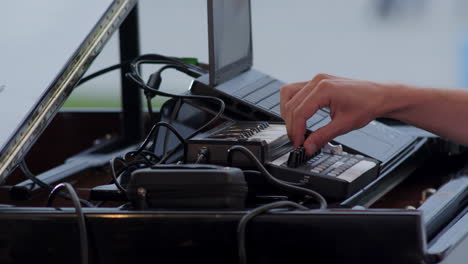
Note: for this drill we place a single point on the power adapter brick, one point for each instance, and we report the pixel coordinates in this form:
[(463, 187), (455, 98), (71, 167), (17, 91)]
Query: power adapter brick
[(187, 186)]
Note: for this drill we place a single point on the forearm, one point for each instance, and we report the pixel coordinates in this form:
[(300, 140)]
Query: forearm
[(354, 103), (441, 111)]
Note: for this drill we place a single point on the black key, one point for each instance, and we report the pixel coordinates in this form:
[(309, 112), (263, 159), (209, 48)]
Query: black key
[(292, 159)]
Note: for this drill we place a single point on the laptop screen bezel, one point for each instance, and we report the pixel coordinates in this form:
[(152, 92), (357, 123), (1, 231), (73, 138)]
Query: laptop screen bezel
[(233, 69), (30, 127)]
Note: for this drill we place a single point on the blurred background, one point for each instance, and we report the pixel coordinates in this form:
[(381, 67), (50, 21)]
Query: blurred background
[(423, 42)]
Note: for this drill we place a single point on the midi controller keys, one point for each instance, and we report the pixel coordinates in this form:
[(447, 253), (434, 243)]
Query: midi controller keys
[(331, 171), (335, 174)]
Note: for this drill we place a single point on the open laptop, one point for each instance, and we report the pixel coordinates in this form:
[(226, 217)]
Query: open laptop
[(255, 95), (46, 47)]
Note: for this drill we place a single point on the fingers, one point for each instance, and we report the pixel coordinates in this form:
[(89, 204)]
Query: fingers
[(300, 101), (307, 89), (323, 135), (350, 101), (287, 92), (299, 97), (307, 108)]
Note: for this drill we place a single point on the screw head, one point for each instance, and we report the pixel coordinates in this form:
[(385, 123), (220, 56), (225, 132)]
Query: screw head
[(141, 191)]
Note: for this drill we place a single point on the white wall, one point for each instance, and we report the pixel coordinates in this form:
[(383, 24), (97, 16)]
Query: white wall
[(296, 39)]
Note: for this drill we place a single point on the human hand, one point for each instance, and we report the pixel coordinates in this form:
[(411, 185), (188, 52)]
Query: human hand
[(353, 104)]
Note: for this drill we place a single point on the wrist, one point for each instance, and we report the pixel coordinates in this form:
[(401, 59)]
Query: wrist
[(407, 102), (397, 100)]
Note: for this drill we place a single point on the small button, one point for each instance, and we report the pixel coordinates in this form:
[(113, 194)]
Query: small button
[(342, 168), (344, 159)]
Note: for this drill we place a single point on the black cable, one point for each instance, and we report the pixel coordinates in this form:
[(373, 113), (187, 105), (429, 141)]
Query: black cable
[(272, 180), (194, 74), (252, 172), (140, 82), (136, 77), (169, 154), (80, 216), (149, 156), (157, 58), (128, 166), (24, 167), (197, 69), (173, 116), (174, 63), (113, 174), (101, 72), (258, 173), (242, 226), (150, 109), (154, 129), (120, 65), (134, 160), (146, 155), (155, 80)]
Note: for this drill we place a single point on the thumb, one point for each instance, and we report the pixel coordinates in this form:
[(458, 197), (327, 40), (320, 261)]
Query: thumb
[(323, 135)]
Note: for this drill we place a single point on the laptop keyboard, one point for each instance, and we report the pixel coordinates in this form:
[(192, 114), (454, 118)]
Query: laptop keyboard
[(257, 91), (270, 102), (264, 93), (246, 90)]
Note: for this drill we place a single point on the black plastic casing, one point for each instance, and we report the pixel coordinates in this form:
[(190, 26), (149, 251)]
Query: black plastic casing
[(187, 187), (217, 149), (330, 187)]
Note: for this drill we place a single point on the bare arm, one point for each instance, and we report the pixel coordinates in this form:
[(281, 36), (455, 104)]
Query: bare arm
[(441, 111), (354, 103)]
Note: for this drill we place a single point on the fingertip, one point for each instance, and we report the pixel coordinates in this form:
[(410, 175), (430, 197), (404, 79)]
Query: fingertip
[(311, 145), (296, 144), (310, 148), (298, 141)]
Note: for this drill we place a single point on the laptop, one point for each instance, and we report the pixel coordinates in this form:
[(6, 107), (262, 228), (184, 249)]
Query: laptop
[(254, 95), (46, 47)]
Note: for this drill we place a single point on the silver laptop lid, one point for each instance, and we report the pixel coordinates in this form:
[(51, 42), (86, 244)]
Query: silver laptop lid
[(229, 39), (45, 47)]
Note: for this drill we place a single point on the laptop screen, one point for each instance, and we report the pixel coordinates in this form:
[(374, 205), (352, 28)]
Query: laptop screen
[(39, 40), (230, 39)]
